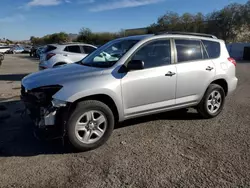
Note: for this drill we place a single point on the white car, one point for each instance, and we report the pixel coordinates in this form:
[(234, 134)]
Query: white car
[(16, 50), (56, 55), (4, 49)]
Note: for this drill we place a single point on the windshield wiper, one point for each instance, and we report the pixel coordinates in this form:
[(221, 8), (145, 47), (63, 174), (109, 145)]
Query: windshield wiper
[(101, 64)]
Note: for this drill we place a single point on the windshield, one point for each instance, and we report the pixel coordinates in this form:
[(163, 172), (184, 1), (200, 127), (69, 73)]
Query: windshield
[(108, 54)]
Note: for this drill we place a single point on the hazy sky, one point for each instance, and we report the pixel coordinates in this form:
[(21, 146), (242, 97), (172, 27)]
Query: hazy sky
[(20, 19)]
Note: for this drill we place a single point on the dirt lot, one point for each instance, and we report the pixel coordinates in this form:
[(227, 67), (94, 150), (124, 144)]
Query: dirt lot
[(176, 149)]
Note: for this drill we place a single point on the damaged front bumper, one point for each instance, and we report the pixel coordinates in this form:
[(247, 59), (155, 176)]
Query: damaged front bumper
[(45, 111)]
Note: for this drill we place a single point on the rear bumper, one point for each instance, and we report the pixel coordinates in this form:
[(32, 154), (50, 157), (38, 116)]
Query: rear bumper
[(232, 85), (45, 65)]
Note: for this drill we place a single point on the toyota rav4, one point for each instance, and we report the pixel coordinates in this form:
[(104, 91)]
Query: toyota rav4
[(128, 78)]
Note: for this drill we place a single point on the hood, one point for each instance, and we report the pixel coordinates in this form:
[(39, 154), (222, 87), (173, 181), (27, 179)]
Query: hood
[(59, 76)]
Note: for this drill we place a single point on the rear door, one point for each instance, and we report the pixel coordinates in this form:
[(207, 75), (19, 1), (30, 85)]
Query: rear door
[(195, 70), (74, 53)]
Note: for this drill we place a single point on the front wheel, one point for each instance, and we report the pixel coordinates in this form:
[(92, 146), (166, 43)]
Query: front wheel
[(212, 102), (90, 125)]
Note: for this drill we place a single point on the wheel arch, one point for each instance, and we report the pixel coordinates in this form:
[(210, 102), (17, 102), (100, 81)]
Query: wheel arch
[(106, 99), (60, 63), (223, 83)]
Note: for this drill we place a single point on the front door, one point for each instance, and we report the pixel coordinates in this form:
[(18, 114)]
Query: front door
[(74, 53), (152, 88)]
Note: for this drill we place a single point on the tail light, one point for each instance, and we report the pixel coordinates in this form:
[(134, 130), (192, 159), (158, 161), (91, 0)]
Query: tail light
[(49, 55), (232, 60)]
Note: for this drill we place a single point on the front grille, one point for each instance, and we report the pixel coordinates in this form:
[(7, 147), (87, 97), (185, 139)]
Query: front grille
[(30, 102)]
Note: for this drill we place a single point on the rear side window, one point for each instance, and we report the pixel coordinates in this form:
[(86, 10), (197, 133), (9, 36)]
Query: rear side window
[(73, 49), (188, 50), (88, 49), (49, 48), (213, 48)]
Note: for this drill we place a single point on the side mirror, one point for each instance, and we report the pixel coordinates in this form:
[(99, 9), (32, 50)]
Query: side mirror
[(135, 65)]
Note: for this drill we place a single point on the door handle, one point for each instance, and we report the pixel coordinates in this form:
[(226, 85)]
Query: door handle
[(209, 68), (170, 73), (65, 55)]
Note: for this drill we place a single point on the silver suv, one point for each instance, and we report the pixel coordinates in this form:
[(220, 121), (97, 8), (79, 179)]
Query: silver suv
[(128, 78)]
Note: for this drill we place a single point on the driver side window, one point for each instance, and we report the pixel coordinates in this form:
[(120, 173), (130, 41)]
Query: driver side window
[(154, 54)]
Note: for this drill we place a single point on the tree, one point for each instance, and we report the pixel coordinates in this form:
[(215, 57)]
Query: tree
[(85, 35), (9, 42), (227, 22), (169, 22), (47, 39), (199, 23), (187, 22)]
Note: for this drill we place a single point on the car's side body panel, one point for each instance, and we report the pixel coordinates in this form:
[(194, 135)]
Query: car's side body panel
[(148, 89), (192, 80)]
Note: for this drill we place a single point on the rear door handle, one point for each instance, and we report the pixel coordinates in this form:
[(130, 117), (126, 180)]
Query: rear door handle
[(170, 73), (209, 68)]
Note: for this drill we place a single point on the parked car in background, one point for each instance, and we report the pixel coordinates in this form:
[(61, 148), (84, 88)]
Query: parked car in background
[(27, 49), (128, 78), (16, 49), (40, 50), (61, 54), (1, 58), (4, 49)]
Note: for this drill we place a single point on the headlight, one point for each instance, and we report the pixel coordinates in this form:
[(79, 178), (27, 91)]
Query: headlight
[(48, 90), (58, 103), (44, 94)]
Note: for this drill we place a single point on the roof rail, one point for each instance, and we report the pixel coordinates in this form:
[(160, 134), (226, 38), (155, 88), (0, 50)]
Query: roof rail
[(65, 43), (187, 33)]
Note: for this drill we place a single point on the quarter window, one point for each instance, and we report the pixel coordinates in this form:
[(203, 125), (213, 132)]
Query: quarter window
[(213, 48), (49, 48), (154, 54), (188, 50)]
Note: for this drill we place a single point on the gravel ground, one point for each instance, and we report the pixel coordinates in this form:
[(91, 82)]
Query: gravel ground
[(174, 149)]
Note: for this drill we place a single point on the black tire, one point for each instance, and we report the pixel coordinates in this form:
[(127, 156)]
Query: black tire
[(202, 106), (82, 108)]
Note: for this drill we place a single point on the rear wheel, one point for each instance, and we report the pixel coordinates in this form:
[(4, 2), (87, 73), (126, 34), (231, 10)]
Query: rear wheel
[(90, 125), (213, 101)]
